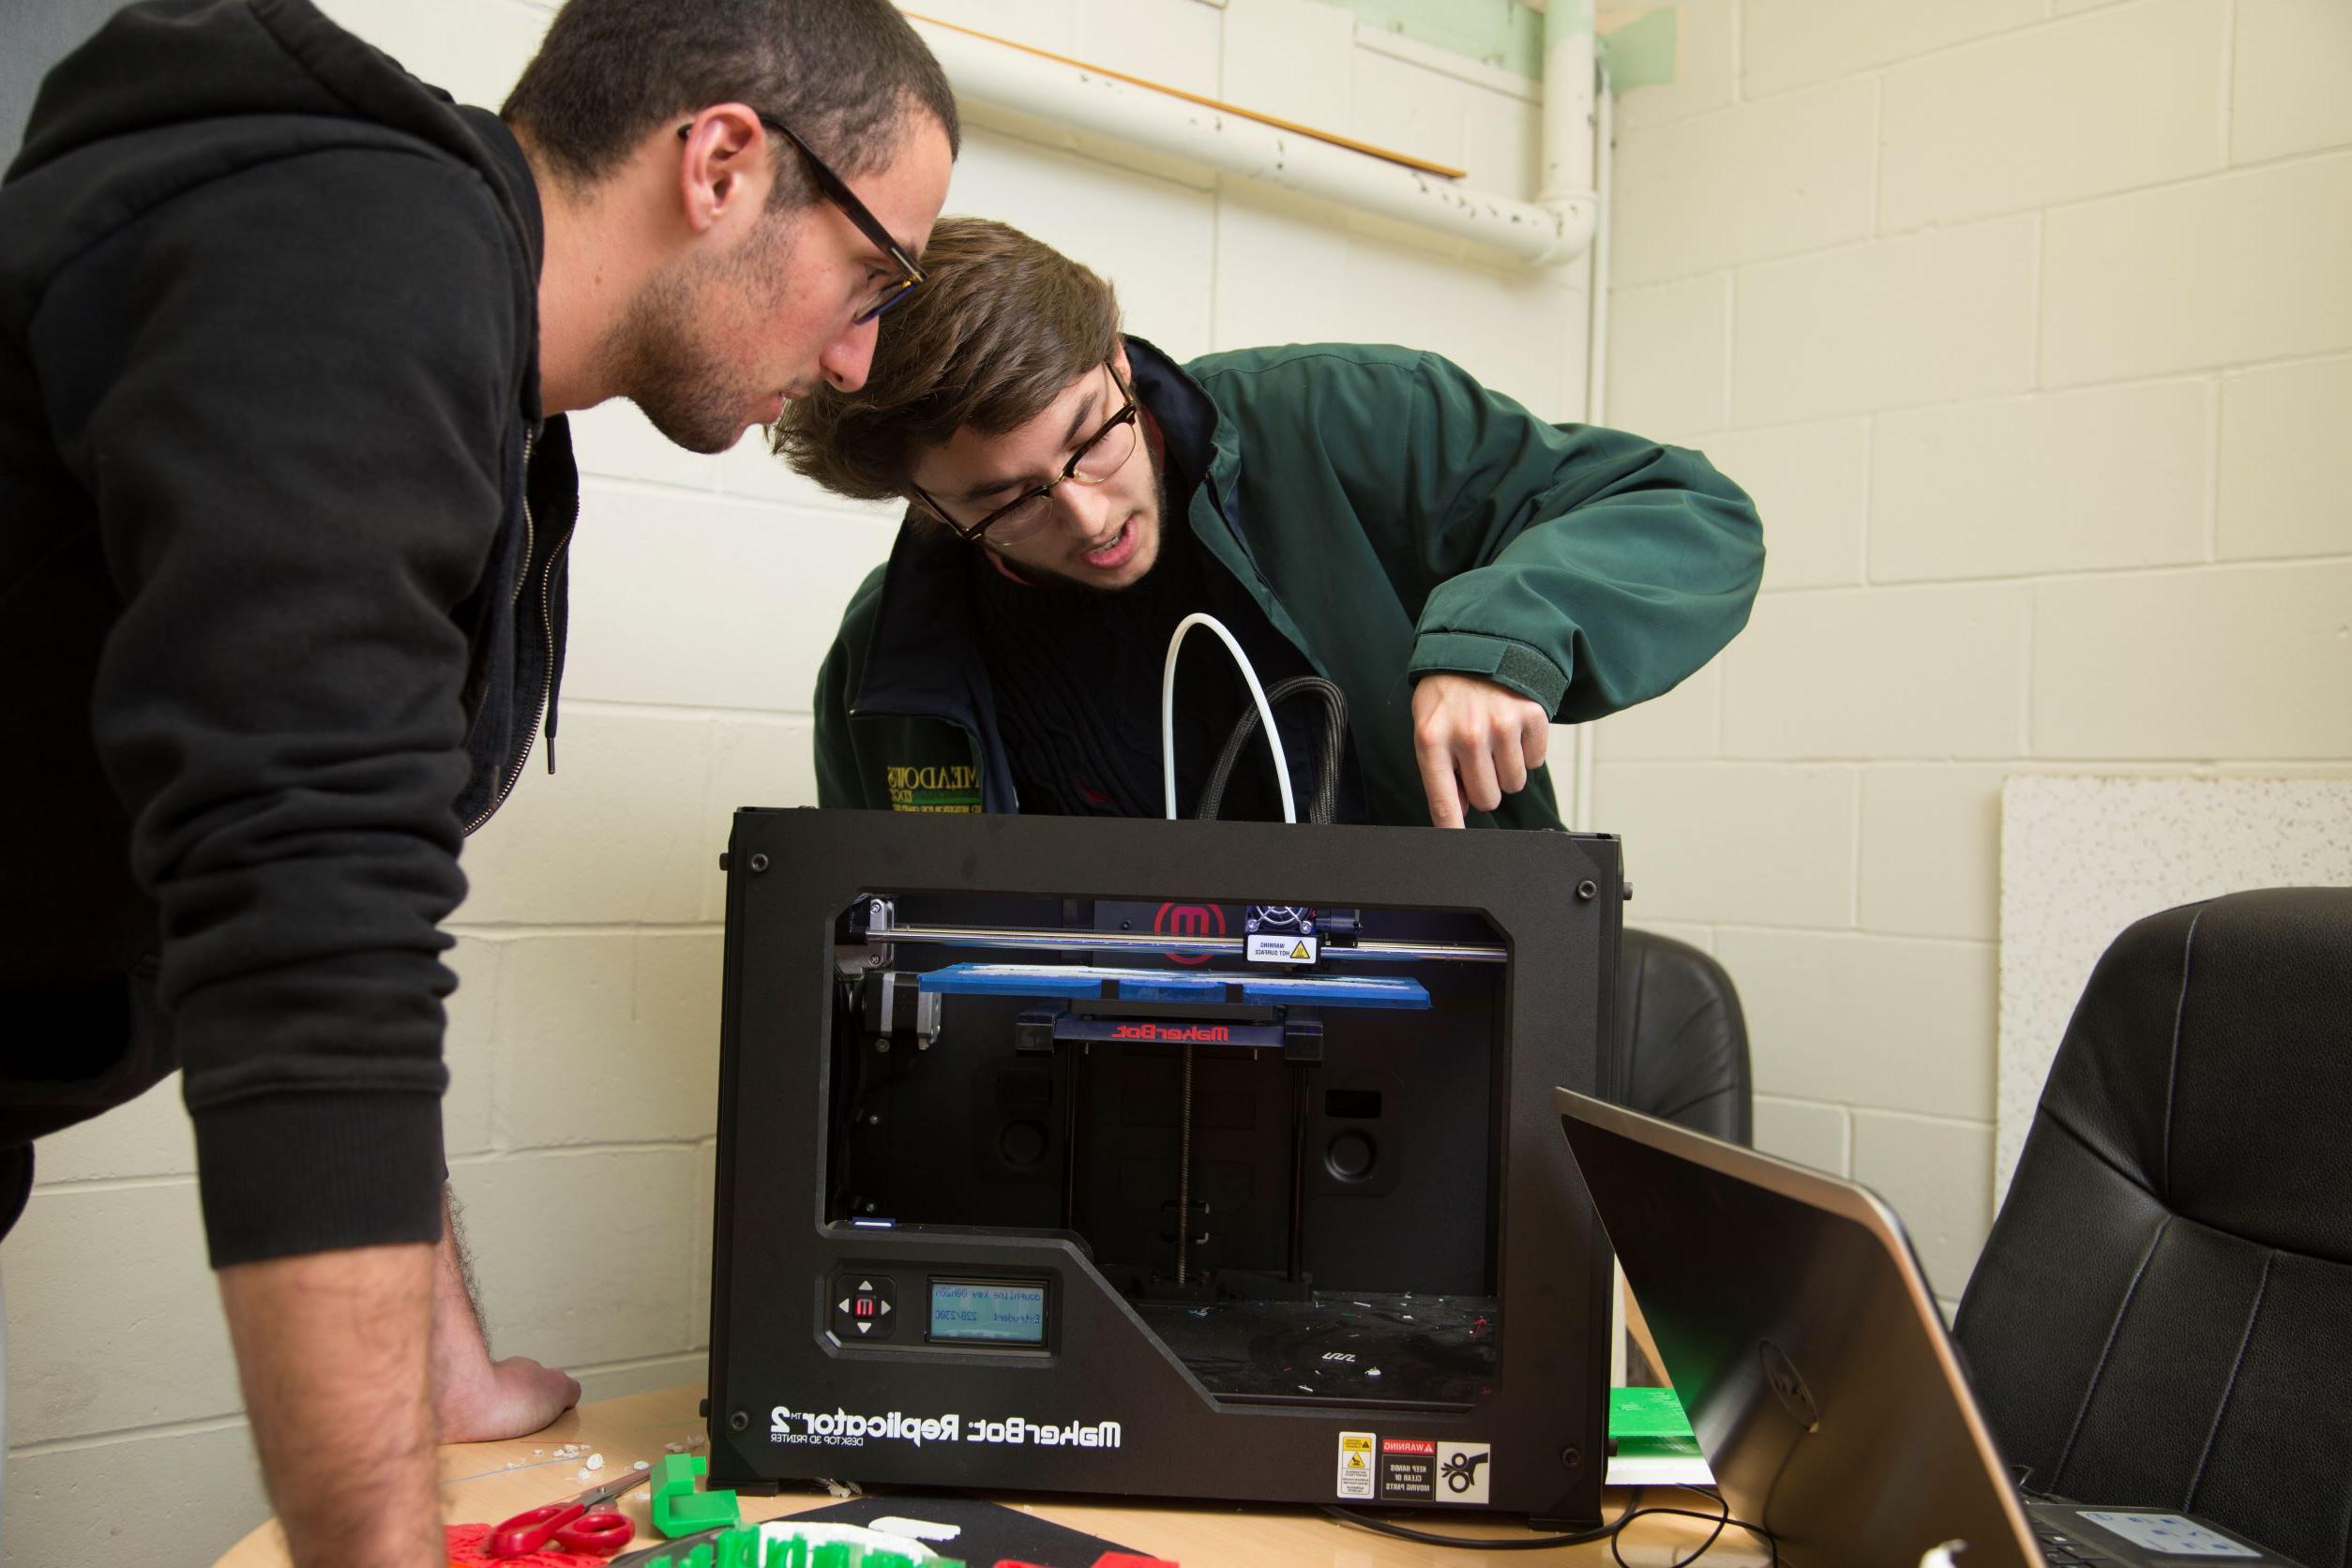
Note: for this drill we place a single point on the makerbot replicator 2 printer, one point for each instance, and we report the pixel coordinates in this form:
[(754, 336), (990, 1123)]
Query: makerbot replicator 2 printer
[(1180, 1159)]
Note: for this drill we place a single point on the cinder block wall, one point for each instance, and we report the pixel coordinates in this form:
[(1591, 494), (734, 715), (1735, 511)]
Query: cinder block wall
[(2028, 324), (583, 1039)]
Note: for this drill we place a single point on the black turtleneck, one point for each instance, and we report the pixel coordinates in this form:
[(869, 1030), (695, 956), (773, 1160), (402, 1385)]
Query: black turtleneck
[(1075, 675)]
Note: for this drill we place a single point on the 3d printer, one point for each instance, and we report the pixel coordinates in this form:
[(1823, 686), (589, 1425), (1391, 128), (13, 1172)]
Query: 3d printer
[(1172, 1158)]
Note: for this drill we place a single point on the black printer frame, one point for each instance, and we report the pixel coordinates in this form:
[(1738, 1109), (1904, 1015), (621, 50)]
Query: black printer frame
[(1103, 1406)]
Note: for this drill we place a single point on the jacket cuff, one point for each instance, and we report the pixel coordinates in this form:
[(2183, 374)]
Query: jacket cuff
[(1498, 660), (285, 1174)]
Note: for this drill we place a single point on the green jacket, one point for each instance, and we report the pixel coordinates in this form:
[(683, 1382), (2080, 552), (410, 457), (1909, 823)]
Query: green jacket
[(1391, 517)]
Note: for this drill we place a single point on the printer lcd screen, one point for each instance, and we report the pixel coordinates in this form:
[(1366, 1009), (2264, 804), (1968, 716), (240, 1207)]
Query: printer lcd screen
[(995, 1312)]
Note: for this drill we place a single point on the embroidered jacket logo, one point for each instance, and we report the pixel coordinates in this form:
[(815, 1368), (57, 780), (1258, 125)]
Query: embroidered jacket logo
[(839, 1428), (937, 788)]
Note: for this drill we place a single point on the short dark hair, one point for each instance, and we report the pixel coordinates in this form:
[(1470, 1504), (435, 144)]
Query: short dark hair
[(1001, 325), (842, 73)]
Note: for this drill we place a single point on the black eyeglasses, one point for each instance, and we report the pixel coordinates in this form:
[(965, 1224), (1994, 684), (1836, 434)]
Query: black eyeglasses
[(1100, 456), (836, 191)]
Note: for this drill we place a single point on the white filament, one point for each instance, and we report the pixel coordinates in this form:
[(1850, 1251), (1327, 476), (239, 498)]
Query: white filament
[(1257, 694)]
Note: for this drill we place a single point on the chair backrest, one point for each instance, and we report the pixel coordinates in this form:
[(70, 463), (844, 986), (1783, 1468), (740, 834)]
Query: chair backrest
[(1681, 1041), (2162, 1314)]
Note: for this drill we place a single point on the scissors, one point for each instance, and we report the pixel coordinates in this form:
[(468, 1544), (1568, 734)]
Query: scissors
[(579, 1524), (675, 1550)]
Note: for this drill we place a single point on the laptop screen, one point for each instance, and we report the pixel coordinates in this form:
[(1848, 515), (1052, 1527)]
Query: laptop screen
[(1800, 1335)]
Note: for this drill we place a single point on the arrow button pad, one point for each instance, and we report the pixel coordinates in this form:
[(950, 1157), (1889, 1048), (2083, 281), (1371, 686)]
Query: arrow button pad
[(865, 1307)]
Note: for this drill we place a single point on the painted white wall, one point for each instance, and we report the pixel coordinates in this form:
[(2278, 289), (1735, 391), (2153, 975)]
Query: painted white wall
[(583, 1039), (2026, 323)]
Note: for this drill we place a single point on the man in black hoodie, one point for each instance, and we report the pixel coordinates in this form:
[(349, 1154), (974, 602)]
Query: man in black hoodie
[(285, 342)]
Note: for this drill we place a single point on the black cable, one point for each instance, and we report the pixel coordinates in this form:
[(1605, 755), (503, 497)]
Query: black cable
[(1325, 800), (1530, 1543), (1720, 1520), (1615, 1545), (1609, 1532), (1772, 1542)]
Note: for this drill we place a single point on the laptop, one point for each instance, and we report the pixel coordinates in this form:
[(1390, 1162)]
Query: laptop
[(1798, 1329)]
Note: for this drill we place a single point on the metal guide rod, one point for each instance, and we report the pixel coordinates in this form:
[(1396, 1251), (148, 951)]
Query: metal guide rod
[(1148, 941), (1184, 1177)]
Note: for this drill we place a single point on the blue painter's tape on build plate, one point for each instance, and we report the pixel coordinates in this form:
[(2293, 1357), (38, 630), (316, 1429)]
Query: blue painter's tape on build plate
[(1164, 985)]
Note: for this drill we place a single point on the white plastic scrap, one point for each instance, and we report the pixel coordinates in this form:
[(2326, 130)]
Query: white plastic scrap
[(643, 1465), (920, 1530), (595, 1461)]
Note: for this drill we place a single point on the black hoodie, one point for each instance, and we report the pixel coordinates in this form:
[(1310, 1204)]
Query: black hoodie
[(282, 598)]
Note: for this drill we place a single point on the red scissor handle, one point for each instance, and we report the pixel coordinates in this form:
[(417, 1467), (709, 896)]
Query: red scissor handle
[(527, 1532), (566, 1525), (598, 1534), (563, 1524)]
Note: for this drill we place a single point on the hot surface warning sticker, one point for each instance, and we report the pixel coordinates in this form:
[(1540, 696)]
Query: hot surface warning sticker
[(1409, 1468), (1355, 1465)]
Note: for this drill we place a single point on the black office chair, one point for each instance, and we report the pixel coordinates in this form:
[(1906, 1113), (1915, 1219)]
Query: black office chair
[(2162, 1314), (1681, 1041)]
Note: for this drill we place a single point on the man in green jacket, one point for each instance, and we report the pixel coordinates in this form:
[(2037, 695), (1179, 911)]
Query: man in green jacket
[(1462, 572)]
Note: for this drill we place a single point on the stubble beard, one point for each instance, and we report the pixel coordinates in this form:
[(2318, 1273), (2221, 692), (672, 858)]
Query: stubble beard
[(660, 353)]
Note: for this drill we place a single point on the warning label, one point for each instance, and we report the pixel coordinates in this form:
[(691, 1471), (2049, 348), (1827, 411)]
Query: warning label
[(1409, 1468), (1355, 1465), (1283, 950), (1464, 1467)]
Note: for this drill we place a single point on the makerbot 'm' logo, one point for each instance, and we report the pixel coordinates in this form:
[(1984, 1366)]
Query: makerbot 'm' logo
[(1188, 920)]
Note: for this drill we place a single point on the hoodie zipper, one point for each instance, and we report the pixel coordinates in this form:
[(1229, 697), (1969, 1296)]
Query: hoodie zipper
[(547, 629)]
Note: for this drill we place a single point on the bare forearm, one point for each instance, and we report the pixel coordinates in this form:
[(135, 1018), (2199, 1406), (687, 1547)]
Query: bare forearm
[(476, 1400), (333, 1349), (459, 1346)]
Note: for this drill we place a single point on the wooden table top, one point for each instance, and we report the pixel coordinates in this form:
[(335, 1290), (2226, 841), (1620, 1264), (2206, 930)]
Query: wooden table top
[(492, 1480)]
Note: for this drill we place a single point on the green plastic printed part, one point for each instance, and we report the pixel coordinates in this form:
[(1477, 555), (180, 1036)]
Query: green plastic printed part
[(678, 1508), (753, 1546), (1647, 1412), (1649, 1423), (699, 1556)]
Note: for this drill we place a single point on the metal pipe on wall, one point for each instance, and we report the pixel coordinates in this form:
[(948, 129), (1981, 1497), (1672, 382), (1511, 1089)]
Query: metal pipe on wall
[(1596, 383), (1554, 228)]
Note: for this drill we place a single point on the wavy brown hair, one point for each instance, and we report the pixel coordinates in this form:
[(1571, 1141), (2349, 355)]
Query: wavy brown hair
[(1001, 324)]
